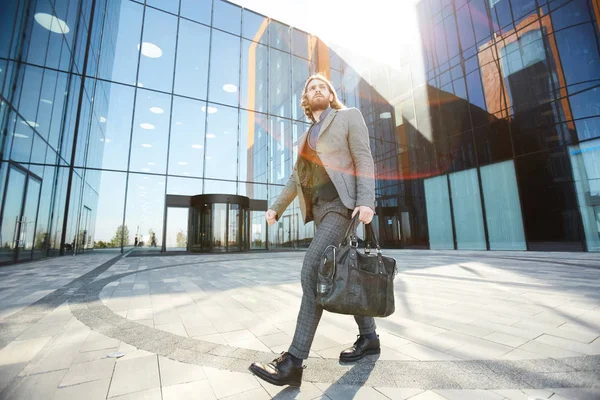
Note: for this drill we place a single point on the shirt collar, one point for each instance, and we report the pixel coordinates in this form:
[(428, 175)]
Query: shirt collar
[(324, 114)]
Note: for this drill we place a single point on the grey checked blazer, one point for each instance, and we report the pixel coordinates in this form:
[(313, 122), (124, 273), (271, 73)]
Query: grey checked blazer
[(343, 146)]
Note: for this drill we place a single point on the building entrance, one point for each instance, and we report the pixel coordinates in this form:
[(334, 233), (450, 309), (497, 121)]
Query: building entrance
[(216, 223)]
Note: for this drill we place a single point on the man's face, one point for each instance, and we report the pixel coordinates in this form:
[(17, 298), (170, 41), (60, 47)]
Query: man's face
[(318, 95)]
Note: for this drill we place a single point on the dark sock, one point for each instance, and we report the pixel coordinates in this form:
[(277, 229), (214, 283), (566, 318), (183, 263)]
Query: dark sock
[(371, 336), (295, 360)]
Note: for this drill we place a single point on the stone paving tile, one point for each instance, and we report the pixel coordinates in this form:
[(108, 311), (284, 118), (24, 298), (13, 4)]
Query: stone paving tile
[(343, 392), (188, 391), (139, 374), (174, 372), (95, 390), (35, 387)]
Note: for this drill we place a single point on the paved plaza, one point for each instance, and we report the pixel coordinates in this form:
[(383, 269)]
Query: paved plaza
[(468, 325)]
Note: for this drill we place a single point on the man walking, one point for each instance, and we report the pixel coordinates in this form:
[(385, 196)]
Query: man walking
[(334, 180)]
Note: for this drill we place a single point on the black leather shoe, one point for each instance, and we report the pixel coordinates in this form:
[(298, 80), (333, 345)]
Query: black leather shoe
[(280, 371), (362, 347)]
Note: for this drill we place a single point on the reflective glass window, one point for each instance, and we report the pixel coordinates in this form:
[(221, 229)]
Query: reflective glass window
[(198, 10), (255, 27), (224, 68), (158, 51), (21, 135), (475, 90), (30, 94), (300, 72), (116, 121), (106, 227), (588, 128), (300, 43), (150, 132), (279, 83), (184, 186), (280, 36), (586, 104), (501, 15), (522, 8), (254, 85), (222, 187), (40, 33), (44, 113), (575, 12), (186, 150), (481, 22), (8, 10), (227, 17), (221, 142), (191, 74), (451, 36), (121, 36), (144, 209), (280, 150), (253, 147), (466, 208), (579, 55), (171, 6)]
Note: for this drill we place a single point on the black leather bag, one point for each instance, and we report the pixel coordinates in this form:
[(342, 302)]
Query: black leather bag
[(356, 283)]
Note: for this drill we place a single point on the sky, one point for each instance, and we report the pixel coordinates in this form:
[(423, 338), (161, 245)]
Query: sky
[(368, 29)]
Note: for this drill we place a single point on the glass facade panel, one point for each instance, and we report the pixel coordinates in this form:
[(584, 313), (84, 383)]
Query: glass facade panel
[(439, 220), (221, 143), (150, 136), (158, 51), (254, 76), (467, 212), (144, 209), (585, 161), (197, 10), (186, 143), (224, 69), (191, 72), (227, 17), (502, 207)]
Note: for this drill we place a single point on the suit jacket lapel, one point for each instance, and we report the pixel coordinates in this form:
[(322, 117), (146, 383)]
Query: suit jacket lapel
[(327, 121)]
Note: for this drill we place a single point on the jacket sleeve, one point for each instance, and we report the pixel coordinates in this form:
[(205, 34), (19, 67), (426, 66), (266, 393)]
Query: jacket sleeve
[(364, 167), (288, 195)]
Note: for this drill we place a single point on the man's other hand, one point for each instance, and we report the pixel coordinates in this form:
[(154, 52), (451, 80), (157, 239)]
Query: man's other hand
[(365, 214), (271, 217)]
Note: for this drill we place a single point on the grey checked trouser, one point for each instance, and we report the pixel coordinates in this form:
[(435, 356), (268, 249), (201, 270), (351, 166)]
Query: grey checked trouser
[(331, 220)]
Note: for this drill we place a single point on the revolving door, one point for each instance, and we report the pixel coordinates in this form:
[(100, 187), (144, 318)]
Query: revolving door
[(219, 223)]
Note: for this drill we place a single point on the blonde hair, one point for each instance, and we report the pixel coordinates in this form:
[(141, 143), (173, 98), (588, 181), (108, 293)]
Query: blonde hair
[(335, 103)]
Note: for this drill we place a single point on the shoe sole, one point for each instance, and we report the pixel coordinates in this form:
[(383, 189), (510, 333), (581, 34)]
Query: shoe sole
[(272, 381), (356, 358)]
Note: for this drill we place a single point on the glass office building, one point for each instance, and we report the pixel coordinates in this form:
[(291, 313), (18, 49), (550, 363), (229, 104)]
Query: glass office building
[(171, 124)]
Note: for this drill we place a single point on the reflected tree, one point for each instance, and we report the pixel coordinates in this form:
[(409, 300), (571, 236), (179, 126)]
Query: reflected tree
[(122, 232)]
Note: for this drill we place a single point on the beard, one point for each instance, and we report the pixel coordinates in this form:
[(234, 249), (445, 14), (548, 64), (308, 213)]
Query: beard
[(319, 103)]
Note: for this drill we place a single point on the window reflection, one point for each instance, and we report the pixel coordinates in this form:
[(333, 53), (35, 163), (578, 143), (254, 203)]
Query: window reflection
[(184, 186), (171, 6), (300, 43), (279, 84), (221, 142), (191, 73), (158, 51), (253, 147), (150, 132), (121, 35), (212, 186), (117, 102), (224, 68), (186, 150), (227, 17), (280, 153), (300, 72), (254, 76), (255, 27), (144, 210), (198, 10), (107, 226), (279, 36)]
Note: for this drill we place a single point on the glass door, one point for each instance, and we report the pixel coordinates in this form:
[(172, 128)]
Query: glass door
[(19, 215), (177, 229)]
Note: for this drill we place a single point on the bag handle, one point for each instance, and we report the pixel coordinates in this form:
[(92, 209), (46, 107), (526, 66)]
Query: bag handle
[(351, 234)]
